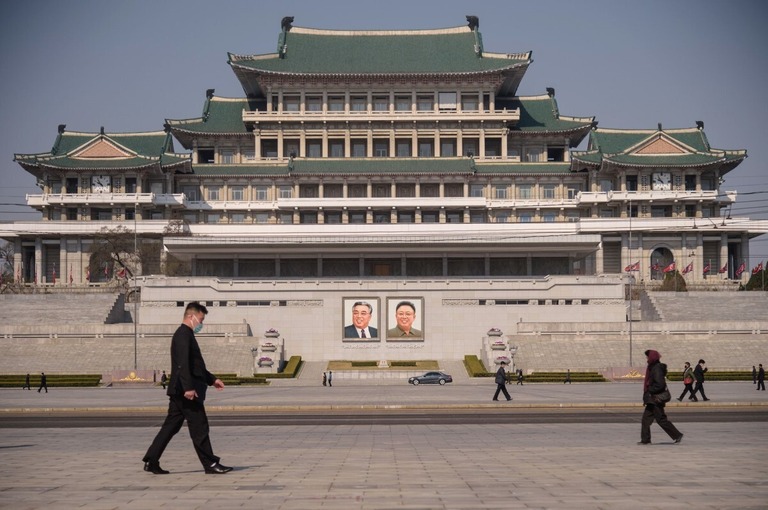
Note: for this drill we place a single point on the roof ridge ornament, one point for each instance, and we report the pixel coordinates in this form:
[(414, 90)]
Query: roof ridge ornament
[(473, 22)]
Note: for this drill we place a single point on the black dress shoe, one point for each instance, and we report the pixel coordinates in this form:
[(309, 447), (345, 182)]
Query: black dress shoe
[(643, 442), (154, 468), (217, 469)]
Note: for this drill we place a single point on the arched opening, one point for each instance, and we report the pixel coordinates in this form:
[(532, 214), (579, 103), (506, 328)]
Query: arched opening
[(660, 258)]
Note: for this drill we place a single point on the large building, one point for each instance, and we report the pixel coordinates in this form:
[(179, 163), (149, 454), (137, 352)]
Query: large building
[(380, 166)]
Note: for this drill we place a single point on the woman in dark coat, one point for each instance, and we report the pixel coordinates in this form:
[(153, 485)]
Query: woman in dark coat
[(655, 382)]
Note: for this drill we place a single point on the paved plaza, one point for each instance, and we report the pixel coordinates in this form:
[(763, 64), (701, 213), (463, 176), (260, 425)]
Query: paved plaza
[(388, 466)]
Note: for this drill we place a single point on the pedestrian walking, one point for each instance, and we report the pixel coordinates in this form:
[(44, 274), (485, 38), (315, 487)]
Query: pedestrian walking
[(688, 381), (567, 377), (43, 383), (164, 380), (186, 391), (761, 378), (325, 379), (330, 378), (26, 383), (654, 386), (501, 383), (754, 375), (698, 374), (519, 377)]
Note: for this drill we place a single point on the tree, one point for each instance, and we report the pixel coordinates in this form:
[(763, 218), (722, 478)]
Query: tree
[(120, 247), (673, 282), (6, 265)]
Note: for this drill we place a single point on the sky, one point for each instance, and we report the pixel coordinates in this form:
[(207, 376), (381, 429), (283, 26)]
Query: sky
[(129, 65)]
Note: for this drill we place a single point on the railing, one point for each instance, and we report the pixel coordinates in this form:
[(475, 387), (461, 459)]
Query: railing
[(339, 116), (602, 197), (105, 199)]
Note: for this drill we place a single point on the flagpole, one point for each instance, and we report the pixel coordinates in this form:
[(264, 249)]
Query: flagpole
[(630, 280), (135, 294)]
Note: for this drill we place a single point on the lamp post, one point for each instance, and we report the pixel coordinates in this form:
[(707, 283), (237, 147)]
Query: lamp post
[(135, 291), (254, 353), (629, 315), (512, 352)]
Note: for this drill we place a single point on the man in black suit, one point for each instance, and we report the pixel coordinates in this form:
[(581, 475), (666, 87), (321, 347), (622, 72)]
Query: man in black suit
[(698, 374), (186, 391), (362, 312), (501, 382)]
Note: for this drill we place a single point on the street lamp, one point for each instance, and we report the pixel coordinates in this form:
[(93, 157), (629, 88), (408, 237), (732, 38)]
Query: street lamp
[(512, 352), (254, 353), (135, 291)]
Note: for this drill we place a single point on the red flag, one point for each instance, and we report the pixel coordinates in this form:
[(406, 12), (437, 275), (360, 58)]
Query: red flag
[(670, 267), (70, 274), (724, 268), (656, 267), (633, 267), (88, 274), (106, 270), (741, 269), (757, 268), (706, 268), (688, 268), (121, 273)]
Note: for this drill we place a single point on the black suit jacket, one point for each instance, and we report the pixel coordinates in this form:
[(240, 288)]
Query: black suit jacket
[(351, 332), (188, 367), (698, 373)]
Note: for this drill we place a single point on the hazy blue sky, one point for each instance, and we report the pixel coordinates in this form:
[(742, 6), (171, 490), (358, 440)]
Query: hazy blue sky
[(129, 65)]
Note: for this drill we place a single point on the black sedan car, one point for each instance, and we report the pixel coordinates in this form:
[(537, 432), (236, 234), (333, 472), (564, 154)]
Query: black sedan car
[(431, 378)]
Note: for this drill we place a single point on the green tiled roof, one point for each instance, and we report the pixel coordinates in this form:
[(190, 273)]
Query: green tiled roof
[(309, 51), (541, 114), (144, 150), (401, 166), (240, 170), (621, 147), (220, 116), (523, 168)]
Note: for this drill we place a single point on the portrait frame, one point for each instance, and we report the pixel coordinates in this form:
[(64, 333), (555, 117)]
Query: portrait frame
[(347, 324), (394, 333)]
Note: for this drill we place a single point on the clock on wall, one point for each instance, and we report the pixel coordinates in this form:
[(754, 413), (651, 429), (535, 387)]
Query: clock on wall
[(662, 181), (100, 183)]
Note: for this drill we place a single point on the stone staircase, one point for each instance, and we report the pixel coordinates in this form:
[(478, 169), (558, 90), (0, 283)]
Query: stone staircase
[(710, 306)]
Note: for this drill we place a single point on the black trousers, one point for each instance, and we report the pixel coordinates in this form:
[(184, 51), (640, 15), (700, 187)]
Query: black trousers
[(761, 383), (180, 409), (688, 388), (501, 388), (699, 388), (656, 413)]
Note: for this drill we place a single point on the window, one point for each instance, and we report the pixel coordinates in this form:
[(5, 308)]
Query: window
[(477, 190), (333, 217), (72, 213), (548, 191), (471, 147), (469, 102), (190, 218), (424, 103), (429, 190), (501, 216), (501, 191), (382, 217), (314, 148), (332, 191), (405, 217), (606, 213), (214, 193), (549, 217), (430, 217), (448, 147), (336, 148), (525, 217), (358, 104), (308, 190), (454, 217), (357, 217), (426, 148), (261, 217), (525, 191), (631, 183), (191, 192), (290, 148), (555, 154), (403, 103), (269, 148), (477, 216), (532, 154), (237, 193), (690, 211), (249, 155), (205, 156), (291, 103), (314, 104), (130, 185), (513, 152), (380, 148), (573, 191), (406, 190), (308, 217), (690, 183), (454, 190), (335, 103), (227, 156), (285, 218), (446, 100), (381, 190), (357, 191), (359, 149), (492, 147), (237, 218), (403, 148), (212, 218), (262, 192), (380, 103), (285, 191), (606, 185)]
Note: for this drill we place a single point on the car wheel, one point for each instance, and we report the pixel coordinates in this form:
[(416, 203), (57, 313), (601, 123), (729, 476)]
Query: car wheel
[(442, 382), (415, 382)]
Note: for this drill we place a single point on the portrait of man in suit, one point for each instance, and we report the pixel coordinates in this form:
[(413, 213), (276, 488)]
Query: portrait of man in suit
[(405, 319), (363, 320)]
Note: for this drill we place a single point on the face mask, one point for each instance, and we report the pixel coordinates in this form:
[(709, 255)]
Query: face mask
[(199, 327)]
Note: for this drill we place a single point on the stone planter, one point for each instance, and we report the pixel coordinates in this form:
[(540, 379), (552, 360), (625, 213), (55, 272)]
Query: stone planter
[(268, 347), (501, 359), (271, 334), (498, 346), (266, 362), (494, 332)]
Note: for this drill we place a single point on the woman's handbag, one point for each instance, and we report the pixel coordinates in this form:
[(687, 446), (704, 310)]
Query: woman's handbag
[(688, 380), (662, 397)]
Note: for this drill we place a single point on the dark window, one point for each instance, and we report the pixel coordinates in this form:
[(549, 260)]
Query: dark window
[(205, 156), (555, 154)]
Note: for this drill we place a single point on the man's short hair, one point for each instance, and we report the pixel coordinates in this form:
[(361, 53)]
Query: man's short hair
[(195, 306), (363, 303), (406, 303)]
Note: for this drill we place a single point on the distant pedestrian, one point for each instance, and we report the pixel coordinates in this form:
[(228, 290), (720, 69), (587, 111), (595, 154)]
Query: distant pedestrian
[(761, 378), (164, 380), (754, 375), (43, 383), (654, 384), (26, 383), (567, 377), (330, 378), (519, 377), (325, 379), (501, 383), (698, 374), (688, 381)]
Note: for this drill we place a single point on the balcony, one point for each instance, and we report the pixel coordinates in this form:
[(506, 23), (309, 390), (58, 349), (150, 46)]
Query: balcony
[(111, 199), (604, 197), (503, 115)]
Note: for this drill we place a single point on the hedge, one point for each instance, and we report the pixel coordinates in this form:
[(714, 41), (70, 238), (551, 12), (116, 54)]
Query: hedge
[(715, 375), (52, 380)]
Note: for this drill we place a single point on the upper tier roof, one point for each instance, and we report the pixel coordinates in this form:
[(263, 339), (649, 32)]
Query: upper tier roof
[(659, 148), (106, 152), (349, 53)]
